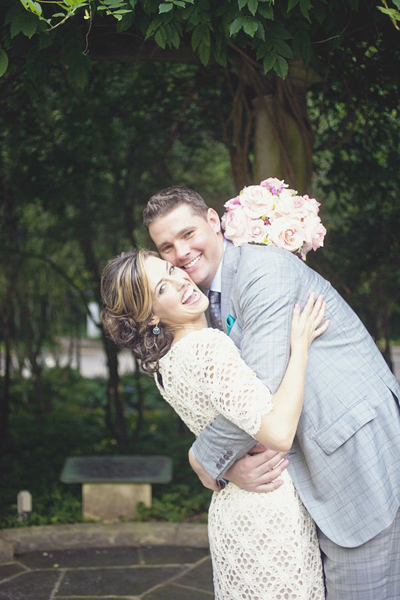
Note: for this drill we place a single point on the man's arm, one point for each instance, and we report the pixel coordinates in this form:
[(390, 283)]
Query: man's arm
[(266, 303), (217, 450), (268, 290), (258, 471)]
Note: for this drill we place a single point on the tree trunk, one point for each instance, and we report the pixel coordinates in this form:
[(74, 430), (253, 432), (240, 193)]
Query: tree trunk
[(278, 145), (283, 134), (115, 413), (115, 418), (140, 402), (238, 127), (5, 396)]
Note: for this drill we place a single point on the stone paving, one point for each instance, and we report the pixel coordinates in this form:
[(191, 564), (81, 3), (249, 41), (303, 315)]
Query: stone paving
[(124, 561), (123, 573)]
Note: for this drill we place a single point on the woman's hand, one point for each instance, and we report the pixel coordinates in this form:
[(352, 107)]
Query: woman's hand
[(306, 324)]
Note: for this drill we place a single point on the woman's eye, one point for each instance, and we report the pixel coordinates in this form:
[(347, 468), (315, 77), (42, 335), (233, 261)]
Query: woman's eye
[(188, 234), (161, 289), (171, 269)]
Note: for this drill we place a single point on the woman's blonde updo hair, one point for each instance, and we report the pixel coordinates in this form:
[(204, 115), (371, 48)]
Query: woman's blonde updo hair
[(127, 310)]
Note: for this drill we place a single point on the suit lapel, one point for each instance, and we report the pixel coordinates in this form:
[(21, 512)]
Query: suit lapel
[(229, 268)]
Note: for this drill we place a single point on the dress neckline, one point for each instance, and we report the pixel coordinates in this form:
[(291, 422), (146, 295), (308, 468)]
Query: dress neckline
[(186, 336)]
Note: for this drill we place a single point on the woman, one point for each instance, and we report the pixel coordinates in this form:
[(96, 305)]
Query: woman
[(263, 546)]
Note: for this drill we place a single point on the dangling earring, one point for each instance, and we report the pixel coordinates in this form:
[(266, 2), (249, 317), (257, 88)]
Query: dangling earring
[(156, 330)]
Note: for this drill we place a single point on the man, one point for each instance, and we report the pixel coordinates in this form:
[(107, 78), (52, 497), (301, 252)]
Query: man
[(345, 461)]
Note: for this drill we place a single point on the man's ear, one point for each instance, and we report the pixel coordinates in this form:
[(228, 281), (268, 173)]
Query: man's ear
[(214, 220)]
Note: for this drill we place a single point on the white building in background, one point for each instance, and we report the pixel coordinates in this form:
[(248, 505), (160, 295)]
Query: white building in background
[(92, 331)]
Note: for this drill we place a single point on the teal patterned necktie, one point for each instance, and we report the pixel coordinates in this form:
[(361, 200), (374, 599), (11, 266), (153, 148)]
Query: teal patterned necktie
[(215, 309)]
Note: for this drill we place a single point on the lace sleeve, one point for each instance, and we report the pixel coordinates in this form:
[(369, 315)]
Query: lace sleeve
[(233, 388)]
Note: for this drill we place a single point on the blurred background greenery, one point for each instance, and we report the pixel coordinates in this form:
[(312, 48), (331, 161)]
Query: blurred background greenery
[(84, 143)]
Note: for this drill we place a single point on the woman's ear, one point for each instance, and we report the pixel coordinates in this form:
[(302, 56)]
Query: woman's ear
[(154, 320)]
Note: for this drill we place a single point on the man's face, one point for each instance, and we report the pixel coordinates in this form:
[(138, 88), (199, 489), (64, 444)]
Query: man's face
[(190, 242)]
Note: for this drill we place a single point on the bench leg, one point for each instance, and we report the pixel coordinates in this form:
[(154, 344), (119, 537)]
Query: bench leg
[(110, 501)]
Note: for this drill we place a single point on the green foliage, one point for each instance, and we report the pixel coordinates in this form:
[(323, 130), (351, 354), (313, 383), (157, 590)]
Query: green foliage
[(392, 13), (214, 28), (35, 453), (357, 177), (38, 445), (62, 154), (180, 503), (77, 169), (76, 61), (3, 62)]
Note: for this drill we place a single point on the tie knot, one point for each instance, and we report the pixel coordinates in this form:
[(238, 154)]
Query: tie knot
[(214, 297)]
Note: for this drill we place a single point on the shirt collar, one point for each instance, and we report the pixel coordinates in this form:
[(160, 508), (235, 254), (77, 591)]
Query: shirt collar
[(216, 284)]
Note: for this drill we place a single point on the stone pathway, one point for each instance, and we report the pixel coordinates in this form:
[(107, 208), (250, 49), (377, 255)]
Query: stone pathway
[(112, 573)]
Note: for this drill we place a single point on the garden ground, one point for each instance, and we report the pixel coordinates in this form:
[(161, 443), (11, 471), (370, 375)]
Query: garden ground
[(125, 561)]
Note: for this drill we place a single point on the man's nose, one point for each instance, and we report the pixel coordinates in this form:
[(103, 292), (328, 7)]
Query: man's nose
[(182, 250)]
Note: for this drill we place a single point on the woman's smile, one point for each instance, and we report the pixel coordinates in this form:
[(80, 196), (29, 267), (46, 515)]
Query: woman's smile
[(191, 296)]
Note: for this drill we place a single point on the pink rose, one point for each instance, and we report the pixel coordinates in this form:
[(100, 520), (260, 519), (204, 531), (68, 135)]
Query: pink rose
[(314, 232), (291, 206), (287, 233), (232, 203), (274, 185), (300, 207), (312, 205), (236, 224), (257, 201), (318, 239), (257, 231)]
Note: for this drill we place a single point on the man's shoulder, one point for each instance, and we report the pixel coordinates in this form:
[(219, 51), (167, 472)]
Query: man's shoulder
[(261, 250), (259, 259)]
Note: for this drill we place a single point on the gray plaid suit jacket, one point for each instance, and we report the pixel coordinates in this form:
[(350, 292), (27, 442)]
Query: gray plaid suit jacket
[(345, 461)]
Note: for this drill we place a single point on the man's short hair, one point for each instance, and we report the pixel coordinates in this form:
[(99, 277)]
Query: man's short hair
[(170, 198)]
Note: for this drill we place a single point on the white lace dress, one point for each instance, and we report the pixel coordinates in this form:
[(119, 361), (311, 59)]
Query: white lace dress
[(263, 546)]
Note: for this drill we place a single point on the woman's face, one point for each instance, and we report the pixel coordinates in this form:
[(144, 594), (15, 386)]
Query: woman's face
[(177, 301)]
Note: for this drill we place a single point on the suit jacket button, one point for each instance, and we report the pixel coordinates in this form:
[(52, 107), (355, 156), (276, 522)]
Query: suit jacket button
[(218, 465), (229, 453), (222, 461)]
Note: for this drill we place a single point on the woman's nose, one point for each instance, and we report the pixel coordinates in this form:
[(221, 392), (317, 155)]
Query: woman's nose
[(178, 279), (180, 282)]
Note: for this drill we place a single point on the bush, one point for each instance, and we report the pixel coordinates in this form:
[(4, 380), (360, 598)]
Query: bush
[(74, 425)]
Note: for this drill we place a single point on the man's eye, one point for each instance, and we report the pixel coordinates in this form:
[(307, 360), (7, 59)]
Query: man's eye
[(188, 234), (171, 269), (166, 249)]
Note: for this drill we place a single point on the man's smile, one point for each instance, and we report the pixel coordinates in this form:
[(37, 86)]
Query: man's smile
[(192, 263)]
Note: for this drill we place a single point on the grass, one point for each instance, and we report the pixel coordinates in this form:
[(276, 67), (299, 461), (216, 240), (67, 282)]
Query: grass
[(73, 425)]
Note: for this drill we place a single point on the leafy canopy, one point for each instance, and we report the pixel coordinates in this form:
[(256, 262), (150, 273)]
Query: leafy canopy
[(272, 33)]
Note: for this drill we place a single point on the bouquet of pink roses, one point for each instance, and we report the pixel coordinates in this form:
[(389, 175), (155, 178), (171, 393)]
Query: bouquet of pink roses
[(271, 214)]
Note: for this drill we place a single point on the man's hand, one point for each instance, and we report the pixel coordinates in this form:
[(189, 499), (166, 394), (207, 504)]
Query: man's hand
[(258, 471), (202, 474)]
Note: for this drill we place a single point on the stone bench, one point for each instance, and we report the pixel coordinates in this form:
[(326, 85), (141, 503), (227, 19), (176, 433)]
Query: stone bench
[(112, 486)]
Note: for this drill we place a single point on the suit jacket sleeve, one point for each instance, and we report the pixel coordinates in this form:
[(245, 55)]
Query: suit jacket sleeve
[(266, 288)]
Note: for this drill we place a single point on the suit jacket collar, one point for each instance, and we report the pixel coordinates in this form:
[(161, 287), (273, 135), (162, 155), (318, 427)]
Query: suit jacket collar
[(230, 265)]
